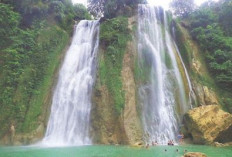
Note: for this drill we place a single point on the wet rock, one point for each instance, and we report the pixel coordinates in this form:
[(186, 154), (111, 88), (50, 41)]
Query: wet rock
[(195, 154), (198, 89), (209, 124), (217, 144)]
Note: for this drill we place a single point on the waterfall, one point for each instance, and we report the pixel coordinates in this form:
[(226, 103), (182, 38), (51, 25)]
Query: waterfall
[(70, 113), (162, 94), (192, 96)]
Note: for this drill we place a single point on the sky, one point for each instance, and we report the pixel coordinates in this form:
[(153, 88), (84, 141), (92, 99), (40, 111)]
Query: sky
[(163, 3)]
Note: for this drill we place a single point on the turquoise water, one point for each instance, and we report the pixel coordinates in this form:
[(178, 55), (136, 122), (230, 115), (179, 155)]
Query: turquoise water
[(113, 151)]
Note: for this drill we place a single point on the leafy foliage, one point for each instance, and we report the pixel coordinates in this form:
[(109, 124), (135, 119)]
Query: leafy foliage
[(225, 15), (207, 31), (213, 33), (110, 8), (182, 8), (114, 36), (9, 21)]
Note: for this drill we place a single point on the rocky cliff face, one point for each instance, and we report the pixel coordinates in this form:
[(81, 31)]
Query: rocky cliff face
[(130, 116), (109, 127), (201, 80), (206, 124), (209, 124)]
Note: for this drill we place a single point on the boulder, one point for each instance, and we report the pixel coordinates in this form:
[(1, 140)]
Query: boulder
[(217, 144), (195, 154), (138, 144), (209, 124)]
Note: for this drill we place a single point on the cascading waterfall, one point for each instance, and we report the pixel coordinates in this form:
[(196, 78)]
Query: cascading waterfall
[(162, 94), (192, 96), (70, 113)]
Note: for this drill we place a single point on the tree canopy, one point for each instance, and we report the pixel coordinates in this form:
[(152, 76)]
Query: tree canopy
[(212, 32), (110, 8), (182, 8)]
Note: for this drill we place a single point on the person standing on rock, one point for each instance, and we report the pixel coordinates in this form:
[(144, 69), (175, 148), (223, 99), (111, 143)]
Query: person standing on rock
[(12, 133)]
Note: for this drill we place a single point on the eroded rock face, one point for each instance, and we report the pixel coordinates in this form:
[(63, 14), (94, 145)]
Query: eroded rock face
[(205, 95), (130, 117), (208, 124), (195, 154), (209, 96), (106, 126), (109, 127)]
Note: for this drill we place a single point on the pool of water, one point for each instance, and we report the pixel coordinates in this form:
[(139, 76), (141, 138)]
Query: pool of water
[(113, 151)]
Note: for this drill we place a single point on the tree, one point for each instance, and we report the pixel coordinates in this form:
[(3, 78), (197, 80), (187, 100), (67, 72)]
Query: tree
[(9, 21), (182, 8), (225, 16), (81, 12), (110, 8), (96, 7)]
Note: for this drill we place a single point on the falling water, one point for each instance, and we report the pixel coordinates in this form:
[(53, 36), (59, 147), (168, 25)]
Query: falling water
[(162, 94), (192, 96), (70, 113)]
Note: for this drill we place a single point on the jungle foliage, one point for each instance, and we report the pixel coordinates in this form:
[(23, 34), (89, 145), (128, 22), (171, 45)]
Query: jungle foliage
[(182, 8), (33, 34), (211, 27), (212, 31), (112, 8)]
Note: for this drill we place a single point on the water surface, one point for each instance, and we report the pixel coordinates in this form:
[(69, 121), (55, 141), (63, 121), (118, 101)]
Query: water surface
[(113, 151)]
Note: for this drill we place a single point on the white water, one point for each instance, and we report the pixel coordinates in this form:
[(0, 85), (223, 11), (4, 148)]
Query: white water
[(162, 96), (70, 113)]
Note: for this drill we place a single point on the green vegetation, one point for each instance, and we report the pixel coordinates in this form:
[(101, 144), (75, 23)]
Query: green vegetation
[(114, 36), (182, 8), (33, 34), (112, 8), (212, 32), (211, 28)]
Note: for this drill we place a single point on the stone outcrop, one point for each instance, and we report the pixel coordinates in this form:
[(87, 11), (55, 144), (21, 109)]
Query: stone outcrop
[(217, 144), (195, 154), (209, 124), (205, 95), (209, 96)]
